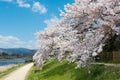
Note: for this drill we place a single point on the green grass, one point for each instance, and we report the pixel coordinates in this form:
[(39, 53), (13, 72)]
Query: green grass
[(54, 70), (3, 74)]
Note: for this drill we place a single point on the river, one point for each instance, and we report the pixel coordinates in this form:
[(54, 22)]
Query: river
[(11, 61)]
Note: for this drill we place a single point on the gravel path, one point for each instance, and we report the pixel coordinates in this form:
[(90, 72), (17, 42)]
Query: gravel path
[(20, 73)]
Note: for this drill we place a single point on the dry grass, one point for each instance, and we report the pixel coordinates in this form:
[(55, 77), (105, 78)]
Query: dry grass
[(7, 67)]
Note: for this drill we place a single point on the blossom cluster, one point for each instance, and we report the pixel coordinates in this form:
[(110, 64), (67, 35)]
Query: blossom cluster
[(82, 32)]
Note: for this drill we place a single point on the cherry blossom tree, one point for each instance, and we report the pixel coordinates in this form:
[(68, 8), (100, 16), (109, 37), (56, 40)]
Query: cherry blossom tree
[(82, 32), (54, 42)]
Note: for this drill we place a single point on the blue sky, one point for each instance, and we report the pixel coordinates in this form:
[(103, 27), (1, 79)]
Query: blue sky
[(20, 19)]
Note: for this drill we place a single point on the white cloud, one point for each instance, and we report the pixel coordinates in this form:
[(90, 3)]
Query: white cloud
[(14, 42), (21, 3), (37, 7), (7, 0), (51, 21)]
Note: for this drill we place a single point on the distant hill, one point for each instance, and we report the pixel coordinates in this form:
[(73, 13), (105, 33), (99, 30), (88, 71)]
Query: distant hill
[(19, 51)]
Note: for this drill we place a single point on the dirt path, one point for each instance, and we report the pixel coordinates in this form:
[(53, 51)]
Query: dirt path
[(20, 73), (109, 64)]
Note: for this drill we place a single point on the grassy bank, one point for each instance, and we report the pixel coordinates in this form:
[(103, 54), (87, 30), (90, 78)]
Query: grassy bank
[(54, 70), (2, 74)]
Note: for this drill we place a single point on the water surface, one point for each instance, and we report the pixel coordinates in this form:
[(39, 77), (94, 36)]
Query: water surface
[(11, 61)]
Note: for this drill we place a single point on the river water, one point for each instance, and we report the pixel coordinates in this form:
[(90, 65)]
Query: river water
[(11, 61)]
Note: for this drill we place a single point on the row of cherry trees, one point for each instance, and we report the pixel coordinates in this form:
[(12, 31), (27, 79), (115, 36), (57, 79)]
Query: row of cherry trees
[(82, 32)]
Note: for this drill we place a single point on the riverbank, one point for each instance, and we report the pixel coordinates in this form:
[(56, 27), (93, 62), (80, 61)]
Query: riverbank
[(20, 73), (8, 69)]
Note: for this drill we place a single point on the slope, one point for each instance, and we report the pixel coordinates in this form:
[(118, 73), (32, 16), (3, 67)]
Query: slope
[(54, 70)]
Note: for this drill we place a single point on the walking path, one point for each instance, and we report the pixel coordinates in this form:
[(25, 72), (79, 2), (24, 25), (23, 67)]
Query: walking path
[(109, 64), (20, 73)]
